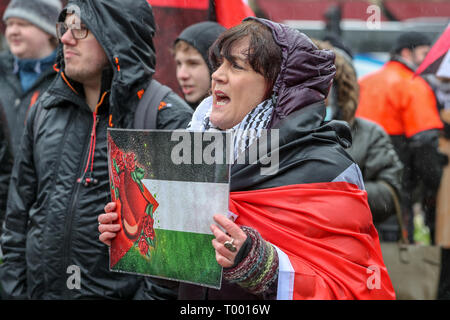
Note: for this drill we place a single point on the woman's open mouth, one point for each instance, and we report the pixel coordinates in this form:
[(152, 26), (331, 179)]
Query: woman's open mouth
[(221, 98)]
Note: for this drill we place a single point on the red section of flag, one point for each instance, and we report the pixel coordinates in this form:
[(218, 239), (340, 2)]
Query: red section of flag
[(230, 13), (186, 4), (133, 202), (440, 48), (121, 244), (326, 230)]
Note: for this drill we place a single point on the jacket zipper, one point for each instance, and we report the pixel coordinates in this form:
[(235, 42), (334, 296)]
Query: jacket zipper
[(73, 203)]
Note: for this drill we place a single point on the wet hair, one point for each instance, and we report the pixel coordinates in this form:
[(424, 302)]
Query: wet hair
[(264, 54), (345, 81)]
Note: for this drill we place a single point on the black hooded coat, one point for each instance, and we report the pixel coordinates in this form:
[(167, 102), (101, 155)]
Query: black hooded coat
[(50, 241)]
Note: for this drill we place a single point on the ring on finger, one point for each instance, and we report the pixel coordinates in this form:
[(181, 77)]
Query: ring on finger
[(229, 245)]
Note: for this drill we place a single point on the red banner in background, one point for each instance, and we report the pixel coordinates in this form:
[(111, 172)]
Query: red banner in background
[(190, 4), (230, 13), (436, 53), (171, 17)]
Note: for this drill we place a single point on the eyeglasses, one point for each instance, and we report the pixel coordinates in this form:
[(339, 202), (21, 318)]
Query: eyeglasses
[(77, 33)]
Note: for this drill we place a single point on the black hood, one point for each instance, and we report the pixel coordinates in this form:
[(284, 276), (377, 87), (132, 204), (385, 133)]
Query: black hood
[(125, 30), (201, 36)]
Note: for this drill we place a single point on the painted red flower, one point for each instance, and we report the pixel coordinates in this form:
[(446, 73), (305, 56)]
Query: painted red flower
[(143, 246), (131, 161), (149, 232), (115, 151), (119, 161)]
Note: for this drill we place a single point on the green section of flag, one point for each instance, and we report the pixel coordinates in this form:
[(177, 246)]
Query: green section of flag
[(177, 255)]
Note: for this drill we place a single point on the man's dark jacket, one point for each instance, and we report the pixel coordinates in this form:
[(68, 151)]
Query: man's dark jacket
[(51, 222)]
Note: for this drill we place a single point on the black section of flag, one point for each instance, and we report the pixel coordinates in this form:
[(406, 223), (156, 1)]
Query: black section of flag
[(178, 155)]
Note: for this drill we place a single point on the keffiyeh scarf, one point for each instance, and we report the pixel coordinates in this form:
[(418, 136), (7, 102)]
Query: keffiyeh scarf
[(244, 133)]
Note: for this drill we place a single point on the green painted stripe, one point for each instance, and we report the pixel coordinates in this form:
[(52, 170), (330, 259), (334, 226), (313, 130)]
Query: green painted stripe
[(177, 255)]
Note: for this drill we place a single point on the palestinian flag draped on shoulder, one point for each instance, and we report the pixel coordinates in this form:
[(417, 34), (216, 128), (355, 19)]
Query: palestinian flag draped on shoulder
[(326, 248), (312, 206)]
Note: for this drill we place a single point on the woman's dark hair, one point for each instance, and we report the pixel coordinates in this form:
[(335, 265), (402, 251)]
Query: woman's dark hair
[(264, 54), (345, 81)]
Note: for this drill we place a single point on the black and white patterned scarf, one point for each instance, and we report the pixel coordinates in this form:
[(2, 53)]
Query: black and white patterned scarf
[(244, 133)]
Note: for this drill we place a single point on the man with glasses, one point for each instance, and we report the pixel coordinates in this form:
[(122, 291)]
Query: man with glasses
[(60, 181)]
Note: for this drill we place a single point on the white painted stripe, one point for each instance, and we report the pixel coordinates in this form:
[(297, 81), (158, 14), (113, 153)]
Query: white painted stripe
[(352, 175), (187, 206), (286, 276)]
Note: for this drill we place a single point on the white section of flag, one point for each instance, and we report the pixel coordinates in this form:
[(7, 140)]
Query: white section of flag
[(181, 204), (444, 68), (286, 276)]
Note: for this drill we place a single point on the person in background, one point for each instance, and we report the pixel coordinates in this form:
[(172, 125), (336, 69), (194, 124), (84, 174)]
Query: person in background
[(6, 163), (371, 147), (303, 228), (26, 69), (405, 106), (3, 44), (60, 180), (190, 52), (441, 88)]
